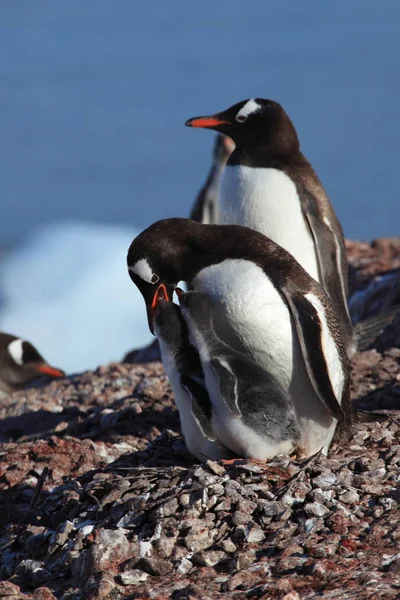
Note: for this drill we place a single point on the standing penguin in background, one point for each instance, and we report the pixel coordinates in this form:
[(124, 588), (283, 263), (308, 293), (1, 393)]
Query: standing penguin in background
[(206, 206), (21, 363), (251, 413), (183, 368), (265, 305), (268, 185)]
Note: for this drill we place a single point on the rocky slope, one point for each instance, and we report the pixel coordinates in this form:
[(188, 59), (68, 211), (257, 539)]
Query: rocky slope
[(101, 500)]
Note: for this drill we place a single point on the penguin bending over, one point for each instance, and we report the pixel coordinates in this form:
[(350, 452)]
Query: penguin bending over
[(269, 185), (251, 412), (265, 305), (182, 365), (21, 363)]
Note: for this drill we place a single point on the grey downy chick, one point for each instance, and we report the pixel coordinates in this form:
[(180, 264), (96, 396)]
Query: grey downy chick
[(182, 365), (251, 412)]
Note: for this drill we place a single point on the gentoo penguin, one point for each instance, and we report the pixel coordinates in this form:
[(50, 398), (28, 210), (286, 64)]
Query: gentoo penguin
[(20, 363), (205, 207), (251, 413), (182, 365), (268, 185), (265, 305)]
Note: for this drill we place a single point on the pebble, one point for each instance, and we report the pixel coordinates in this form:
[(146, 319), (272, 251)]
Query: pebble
[(133, 577), (316, 508)]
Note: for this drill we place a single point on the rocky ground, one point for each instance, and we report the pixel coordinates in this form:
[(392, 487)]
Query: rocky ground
[(101, 500)]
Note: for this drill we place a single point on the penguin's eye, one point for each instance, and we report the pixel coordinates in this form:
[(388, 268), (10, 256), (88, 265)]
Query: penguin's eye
[(155, 278), (241, 118)]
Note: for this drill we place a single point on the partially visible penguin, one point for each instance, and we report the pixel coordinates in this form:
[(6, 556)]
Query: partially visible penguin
[(182, 365), (251, 412), (268, 185), (205, 207), (21, 363)]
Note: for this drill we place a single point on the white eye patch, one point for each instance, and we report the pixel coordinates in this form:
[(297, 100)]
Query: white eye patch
[(16, 351), (250, 107), (143, 270)]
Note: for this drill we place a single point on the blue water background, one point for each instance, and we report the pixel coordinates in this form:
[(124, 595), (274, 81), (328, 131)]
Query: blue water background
[(94, 96)]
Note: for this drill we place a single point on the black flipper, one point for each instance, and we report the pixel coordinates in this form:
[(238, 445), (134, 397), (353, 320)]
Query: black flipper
[(201, 406), (332, 281), (228, 386), (309, 332)]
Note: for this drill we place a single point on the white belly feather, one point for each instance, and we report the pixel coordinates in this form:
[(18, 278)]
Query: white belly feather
[(266, 200), (251, 316)]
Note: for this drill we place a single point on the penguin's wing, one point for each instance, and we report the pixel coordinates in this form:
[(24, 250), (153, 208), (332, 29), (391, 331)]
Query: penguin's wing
[(201, 405), (312, 330), (227, 383), (333, 272)]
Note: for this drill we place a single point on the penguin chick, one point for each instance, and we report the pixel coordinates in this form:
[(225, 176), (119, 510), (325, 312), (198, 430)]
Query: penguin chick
[(251, 412), (182, 365)]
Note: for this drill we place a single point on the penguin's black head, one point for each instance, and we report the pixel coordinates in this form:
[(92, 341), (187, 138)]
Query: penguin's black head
[(155, 258), (20, 362), (251, 122)]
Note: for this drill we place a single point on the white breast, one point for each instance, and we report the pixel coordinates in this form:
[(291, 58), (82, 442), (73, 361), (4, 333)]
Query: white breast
[(251, 316), (249, 313), (267, 200)]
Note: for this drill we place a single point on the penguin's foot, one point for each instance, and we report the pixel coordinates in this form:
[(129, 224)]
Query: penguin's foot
[(230, 461)]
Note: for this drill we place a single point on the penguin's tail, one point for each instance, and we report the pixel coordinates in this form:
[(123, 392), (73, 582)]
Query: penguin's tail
[(365, 332)]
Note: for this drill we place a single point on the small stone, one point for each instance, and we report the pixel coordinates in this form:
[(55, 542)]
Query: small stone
[(228, 546), (254, 533), (42, 593), (184, 566), (324, 481), (224, 505), (293, 595), (212, 501), (349, 497), (169, 508), (208, 558), (242, 560), (111, 546), (154, 566), (316, 509), (165, 545), (216, 468), (243, 579), (322, 496), (388, 503), (199, 540), (184, 499), (274, 508), (292, 549), (240, 518), (133, 577), (247, 507)]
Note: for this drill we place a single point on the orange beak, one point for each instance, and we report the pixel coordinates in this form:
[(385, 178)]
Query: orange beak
[(206, 122), (161, 293), (50, 371)]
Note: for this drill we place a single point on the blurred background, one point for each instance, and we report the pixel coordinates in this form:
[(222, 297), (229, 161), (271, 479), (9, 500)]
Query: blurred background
[(93, 148)]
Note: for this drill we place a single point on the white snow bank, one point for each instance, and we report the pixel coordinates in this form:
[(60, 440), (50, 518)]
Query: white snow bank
[(66, 289)]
